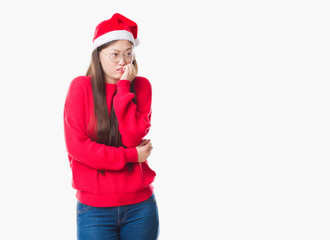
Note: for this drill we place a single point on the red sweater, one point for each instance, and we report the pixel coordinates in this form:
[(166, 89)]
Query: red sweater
[(116, 186)]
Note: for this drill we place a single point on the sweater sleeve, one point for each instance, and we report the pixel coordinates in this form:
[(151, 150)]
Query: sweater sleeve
[(134, 119), (79, 146)]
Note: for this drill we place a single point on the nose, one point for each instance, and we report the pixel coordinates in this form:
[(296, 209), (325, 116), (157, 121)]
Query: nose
[(122, 60)]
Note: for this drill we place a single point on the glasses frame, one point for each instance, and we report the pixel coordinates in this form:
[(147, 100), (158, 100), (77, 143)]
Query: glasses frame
[(121, 56)]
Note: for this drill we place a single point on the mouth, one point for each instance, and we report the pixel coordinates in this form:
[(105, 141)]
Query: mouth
[(120, 70)]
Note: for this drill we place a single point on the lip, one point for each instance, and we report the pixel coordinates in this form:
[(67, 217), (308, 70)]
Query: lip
[(120, 70)]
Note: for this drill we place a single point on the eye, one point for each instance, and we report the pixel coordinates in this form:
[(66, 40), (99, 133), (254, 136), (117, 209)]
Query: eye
[(129, 53), (114, 54)]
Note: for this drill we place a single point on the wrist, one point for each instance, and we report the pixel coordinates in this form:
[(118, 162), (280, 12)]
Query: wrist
[(123, 86)]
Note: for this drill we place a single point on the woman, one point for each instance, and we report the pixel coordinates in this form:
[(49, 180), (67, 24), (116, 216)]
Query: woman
[(107, 114)]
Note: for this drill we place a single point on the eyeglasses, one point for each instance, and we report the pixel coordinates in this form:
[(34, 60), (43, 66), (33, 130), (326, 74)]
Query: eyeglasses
[(115, 57)]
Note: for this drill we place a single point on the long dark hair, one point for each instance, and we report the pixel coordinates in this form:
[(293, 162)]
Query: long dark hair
[(104, 128)]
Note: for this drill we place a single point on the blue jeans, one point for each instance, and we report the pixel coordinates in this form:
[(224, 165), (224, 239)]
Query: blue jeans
[(136, 221)]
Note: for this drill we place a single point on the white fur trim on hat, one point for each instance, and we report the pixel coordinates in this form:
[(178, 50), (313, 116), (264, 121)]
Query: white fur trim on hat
[(115, 35)]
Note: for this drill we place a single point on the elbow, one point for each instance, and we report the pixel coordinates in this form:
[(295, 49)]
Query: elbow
[(141, 132), (134, 138), (131, 141)]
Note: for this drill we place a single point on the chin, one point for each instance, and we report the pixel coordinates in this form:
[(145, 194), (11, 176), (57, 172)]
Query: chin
[(117, 76)]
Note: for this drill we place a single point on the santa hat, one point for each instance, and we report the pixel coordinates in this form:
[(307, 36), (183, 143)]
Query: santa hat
[(117, 27)]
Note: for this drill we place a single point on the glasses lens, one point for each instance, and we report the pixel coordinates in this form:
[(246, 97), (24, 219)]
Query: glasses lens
[(115, 58), (127, 57), (130, 59)]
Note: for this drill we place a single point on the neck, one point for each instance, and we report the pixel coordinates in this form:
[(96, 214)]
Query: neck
[(111, 80)]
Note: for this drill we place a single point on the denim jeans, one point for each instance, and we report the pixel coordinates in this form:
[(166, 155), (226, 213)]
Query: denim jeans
[(135, 221)]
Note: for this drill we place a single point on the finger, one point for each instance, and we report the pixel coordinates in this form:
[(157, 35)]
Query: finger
[(131, 67), (128, 66), (147, 148), (149, 153), (151, 147)]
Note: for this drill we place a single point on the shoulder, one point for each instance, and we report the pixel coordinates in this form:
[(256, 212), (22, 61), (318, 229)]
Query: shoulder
[(143, 90), (80, 81), (142, 83), (79, 86)]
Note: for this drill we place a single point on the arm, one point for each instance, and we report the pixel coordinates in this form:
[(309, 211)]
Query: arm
[(134, 119), (80, 146)]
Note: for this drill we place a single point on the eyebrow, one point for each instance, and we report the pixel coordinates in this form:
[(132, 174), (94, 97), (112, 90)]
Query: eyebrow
[(118, 50)]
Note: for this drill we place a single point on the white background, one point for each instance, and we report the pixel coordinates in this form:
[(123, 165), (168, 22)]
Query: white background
[(240, 124)]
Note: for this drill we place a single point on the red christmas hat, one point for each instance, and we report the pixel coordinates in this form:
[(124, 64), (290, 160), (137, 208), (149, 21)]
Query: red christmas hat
[(117, 27)]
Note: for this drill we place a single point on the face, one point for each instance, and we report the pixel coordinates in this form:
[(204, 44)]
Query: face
[(113, 71)]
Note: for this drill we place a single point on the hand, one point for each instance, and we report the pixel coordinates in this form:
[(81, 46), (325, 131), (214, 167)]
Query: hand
[(129, 72), (144, 150)]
